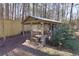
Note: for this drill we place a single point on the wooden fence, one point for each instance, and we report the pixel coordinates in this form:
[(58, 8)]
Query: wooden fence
[(10, 27)]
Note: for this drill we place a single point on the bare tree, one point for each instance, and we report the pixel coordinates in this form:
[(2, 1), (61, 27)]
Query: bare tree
[(71, 12), (6, 11), (29, 9), (15, 10), (12, 11), (58, 6), (1, 11), (44, 10), (23, 17), (33, 13)]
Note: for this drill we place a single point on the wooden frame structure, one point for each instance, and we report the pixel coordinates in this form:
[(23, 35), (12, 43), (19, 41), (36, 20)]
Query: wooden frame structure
[(31, 20)]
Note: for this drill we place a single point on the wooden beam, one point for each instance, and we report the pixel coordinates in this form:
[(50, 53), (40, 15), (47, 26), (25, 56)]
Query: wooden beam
[(42, 28), (51, 30), (31, 31), (25, 19)]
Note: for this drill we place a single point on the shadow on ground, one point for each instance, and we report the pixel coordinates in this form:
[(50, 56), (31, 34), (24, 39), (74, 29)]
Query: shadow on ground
[(16, 42)]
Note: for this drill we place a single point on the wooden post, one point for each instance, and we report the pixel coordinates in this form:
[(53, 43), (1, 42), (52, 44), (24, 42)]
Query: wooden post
[(54, 26), (31, 31), (43, 36), (42, 29), (51, 30), (23, 29)]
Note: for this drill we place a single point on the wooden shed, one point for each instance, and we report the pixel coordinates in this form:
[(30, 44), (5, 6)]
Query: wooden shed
[(40, 28)]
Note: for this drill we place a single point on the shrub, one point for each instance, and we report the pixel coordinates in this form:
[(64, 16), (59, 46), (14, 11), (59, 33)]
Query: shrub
[(61, 36)]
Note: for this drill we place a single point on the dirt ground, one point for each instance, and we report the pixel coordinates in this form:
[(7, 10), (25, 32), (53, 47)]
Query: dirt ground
[(17, 46)]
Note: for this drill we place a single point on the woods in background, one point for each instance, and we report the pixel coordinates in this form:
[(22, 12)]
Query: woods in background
[(56, 11)]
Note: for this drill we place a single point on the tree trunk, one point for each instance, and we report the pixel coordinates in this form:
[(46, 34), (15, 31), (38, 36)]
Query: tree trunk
[(58, 6), (71, 12), (33, 13), (15, 11), (6, 10), (23, 19)]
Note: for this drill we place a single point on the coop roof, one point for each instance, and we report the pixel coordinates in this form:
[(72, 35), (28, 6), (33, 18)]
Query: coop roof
[(34, 18)]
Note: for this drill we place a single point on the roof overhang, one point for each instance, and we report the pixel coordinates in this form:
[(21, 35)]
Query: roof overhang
[(40, 20)]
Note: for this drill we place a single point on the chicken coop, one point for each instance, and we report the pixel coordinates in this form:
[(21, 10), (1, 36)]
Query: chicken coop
[(39, 28)]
